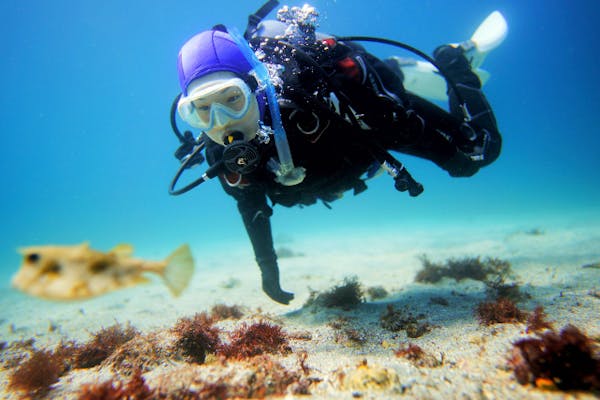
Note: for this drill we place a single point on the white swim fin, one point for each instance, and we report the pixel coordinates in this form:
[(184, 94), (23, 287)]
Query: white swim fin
[(423, 79), (489, 35)]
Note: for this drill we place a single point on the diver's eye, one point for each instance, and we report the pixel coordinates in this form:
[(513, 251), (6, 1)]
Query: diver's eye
[(32, 258), (234, 98), (200, 105)]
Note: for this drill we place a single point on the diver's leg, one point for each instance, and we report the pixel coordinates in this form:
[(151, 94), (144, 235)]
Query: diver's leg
[(478, 133), (430, 132), (458, 142)]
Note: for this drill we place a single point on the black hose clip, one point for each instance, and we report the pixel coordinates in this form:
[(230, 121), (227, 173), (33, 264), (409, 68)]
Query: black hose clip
[(186, 150)]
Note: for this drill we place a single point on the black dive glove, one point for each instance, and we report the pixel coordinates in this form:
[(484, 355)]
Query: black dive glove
[(270, 283)]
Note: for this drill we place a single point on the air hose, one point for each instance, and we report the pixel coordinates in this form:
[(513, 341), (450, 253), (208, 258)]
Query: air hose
[(285, 171)]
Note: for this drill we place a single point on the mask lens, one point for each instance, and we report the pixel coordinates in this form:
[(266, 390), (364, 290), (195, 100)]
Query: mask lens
[(216, 104)]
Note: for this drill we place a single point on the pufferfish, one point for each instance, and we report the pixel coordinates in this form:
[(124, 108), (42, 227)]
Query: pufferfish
[(79, 272)]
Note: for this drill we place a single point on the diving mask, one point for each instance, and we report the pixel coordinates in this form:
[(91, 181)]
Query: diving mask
[(220, 105)]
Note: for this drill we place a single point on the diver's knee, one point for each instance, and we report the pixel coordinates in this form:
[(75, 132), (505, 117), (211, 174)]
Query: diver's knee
[(492, 148)]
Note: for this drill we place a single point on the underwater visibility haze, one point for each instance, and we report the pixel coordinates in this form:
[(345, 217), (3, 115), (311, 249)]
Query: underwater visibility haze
[(87, 157)]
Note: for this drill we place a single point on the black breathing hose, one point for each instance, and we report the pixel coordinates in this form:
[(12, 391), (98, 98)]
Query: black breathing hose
[(408, 48), (173, 111)]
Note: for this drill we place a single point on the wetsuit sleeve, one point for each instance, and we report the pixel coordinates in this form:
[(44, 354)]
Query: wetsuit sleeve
[(256, 213), (252, 205)]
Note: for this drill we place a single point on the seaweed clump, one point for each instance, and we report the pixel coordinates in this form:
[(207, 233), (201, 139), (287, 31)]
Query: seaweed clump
[(499, 311), (135, 389), (462, 268), (377, 292), (102, 345), (415, 354), (222, 311), (568, 360), (344, 333), (396, 320), (35, 375), (143, 353), (196, 337), (537, 321), (493, 272), (256, 339), (346, 296)]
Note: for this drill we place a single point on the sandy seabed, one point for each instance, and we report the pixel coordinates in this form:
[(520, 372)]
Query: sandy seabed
[(468, 360)]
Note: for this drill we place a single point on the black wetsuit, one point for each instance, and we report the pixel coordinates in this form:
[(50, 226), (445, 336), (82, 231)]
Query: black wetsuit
[(341, 108)]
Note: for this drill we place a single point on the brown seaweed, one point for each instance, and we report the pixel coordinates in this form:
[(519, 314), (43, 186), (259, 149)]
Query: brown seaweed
[(134, 389), (499, 311), (102, 345), (401, 319), (536, 322), (255, 339), (221, 311), (567, 360), (463, 268), (35, 375), (346, 296), (196, 337), (416, 355)]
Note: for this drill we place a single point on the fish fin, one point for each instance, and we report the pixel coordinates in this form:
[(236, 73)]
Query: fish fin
[(123, 250), (179, 269)]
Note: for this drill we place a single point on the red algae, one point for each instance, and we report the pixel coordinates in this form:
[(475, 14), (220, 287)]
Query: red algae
[(196, 337), (419, 357), (102, 345), (500, 311), (221, 311), (256, 339), (567, 360), (411, 352), (35, 375), (537, 321), (135, 389)]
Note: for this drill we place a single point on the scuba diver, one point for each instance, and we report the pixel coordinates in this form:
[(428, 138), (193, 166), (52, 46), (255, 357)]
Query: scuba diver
[(296, 116)]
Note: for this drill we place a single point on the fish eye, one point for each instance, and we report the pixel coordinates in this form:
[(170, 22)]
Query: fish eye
[(32, 258)]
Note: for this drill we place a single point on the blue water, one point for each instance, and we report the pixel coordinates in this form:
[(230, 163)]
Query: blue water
[(87, 148)]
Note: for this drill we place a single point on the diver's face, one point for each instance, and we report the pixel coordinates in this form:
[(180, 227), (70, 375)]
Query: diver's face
[(224, 121), (222, 107)]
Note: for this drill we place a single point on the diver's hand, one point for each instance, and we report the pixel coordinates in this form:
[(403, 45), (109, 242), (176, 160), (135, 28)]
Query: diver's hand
[(461, 165), (270, 283), (274, 291)]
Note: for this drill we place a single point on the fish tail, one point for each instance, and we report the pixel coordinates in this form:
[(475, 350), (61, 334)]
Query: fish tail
[(179, 269)]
